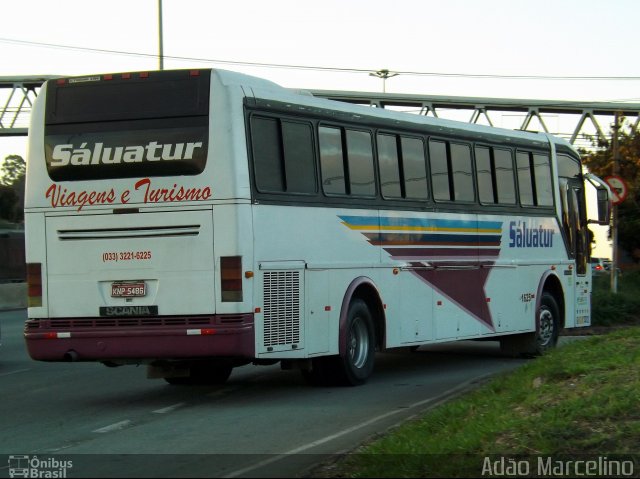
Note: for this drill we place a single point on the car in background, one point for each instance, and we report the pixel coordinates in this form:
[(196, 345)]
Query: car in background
[(598, 265)]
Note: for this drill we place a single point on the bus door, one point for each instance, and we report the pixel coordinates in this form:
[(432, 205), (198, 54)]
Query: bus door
[(574, 222)]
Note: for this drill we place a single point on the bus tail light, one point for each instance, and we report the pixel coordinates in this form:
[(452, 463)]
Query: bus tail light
[(231, 278), (34, 284)]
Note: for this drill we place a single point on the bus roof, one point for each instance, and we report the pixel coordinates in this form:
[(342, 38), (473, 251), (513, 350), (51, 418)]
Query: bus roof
[(266, 89), (262, 89)]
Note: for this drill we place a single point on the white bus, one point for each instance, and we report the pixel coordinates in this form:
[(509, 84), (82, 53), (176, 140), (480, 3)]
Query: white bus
[(198, 220)]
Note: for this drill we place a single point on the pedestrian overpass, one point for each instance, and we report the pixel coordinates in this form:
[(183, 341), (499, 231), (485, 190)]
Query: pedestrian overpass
[(581, 122)]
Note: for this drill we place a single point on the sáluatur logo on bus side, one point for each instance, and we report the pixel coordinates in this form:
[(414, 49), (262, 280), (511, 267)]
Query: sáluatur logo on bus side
[(523, 236)]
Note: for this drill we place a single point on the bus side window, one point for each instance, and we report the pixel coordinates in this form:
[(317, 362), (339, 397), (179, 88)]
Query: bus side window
[(403, 168), (389, 165), (299, 158), (362, 181), (525, 179), (485, 176), (534, 179), (439, 170), (346, 159), (415, 168), (494, 175), (504, 180), (462, 173), (283, 156), (267, 154), (451, 171), (332, 161), (568, 167), (542, 175)]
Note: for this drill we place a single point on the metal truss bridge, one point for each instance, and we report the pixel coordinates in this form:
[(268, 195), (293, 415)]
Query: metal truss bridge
[(581, 123), (16, 99)]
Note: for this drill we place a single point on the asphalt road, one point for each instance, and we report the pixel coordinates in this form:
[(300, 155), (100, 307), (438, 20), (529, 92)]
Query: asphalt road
[(264, 422)]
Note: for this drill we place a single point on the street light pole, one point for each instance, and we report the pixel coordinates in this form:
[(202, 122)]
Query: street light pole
[(614, 213), (160, 47), (384, 74)]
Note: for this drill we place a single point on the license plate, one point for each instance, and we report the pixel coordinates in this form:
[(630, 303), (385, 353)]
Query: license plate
[(128, 290)]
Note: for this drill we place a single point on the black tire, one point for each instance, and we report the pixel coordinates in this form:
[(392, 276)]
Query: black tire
[(204, 373), (547, 324), (354, 367), (543, 339)]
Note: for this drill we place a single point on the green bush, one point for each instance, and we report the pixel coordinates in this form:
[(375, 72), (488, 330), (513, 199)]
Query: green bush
[(609, 308)]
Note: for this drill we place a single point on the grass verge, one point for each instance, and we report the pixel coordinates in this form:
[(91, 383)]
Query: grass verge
[(582, 399)]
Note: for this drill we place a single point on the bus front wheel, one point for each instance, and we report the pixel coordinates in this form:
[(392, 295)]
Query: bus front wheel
[(548, 321), (544, 338)]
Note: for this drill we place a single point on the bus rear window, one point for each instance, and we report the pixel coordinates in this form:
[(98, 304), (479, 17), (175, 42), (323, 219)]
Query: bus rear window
[(127, 125), (129, 96)]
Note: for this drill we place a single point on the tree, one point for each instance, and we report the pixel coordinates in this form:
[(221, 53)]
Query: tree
[(601, 163), (13, 170), (12, 181)]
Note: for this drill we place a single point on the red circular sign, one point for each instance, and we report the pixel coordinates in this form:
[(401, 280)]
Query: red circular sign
[(619, 189)]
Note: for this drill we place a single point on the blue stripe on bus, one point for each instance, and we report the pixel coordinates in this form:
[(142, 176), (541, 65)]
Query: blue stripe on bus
[(420, 222)]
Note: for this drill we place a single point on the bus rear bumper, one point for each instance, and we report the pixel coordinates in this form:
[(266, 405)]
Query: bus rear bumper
[(144, 339)]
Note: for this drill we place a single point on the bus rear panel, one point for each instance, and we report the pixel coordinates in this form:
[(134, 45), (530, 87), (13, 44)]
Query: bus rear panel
[(120, 223)]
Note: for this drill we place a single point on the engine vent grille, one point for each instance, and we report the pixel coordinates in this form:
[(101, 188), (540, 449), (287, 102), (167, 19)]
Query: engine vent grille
[(281, 308)]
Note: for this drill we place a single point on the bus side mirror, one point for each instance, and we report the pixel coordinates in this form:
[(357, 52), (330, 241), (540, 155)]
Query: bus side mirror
[(604, 199), (604, 206)]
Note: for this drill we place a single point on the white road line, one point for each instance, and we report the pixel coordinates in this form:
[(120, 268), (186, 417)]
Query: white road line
[(14, 372), (435, 400), (114, 427), (54, 449), (168, 409)]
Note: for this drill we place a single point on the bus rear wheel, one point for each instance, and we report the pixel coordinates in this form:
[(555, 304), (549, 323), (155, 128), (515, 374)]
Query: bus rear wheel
[(355, 365)]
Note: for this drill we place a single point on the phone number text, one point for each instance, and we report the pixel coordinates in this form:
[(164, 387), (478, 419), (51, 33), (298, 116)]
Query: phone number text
[(126, 256)]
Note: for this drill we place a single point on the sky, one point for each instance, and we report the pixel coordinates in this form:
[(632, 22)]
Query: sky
[(541, 38), (500, 38)]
